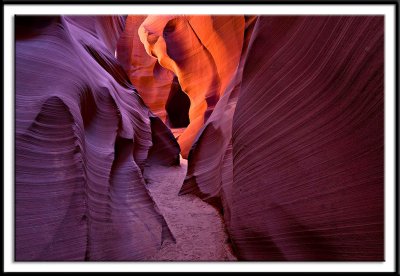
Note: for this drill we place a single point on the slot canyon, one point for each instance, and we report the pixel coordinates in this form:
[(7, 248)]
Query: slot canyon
[(199, 138)]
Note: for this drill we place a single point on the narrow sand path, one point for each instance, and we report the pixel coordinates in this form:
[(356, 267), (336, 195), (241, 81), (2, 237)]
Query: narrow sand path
[(197, 227)]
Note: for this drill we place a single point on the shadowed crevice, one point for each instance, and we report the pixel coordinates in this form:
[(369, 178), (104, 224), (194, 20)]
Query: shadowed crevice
[(177, 106)]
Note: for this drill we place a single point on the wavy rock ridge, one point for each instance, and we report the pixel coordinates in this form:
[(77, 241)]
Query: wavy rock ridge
[(83, 137), (201, 51)]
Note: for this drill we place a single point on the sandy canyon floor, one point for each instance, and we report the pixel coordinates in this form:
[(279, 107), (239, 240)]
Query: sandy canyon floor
[(197, 226)]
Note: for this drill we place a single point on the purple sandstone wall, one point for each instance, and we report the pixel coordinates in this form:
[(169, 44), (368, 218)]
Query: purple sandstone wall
[(83, 137), (293, 157)]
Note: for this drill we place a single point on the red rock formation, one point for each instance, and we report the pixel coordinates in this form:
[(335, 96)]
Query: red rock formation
[(210, 175), (306, 177), (202, 51), (152, 81), (83, 137)]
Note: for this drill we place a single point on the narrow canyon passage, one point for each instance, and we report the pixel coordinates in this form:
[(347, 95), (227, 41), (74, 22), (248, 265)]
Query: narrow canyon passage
[(198, 228), (269, 128)]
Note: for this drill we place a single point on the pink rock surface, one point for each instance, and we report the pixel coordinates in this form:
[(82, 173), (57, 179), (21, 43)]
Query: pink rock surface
[(304, 180), (83, 137)]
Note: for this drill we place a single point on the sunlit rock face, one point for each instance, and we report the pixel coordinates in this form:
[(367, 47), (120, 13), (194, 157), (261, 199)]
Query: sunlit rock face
[(151, 80), (210, 175), (83, 137), (203, 53), (299, 167)]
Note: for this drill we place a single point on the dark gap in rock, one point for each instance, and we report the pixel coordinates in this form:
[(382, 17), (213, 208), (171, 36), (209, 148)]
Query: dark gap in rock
[(177, 106)]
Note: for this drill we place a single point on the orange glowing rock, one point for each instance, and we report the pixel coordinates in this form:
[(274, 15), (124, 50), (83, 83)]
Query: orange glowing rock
[(152, 81), (202, 51)]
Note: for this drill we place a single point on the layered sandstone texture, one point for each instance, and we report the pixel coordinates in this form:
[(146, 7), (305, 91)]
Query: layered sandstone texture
[(292, 155), (83, 137)]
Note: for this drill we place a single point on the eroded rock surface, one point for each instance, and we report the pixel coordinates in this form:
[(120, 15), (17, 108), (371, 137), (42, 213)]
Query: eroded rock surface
[(83, 137), (203, 53), (300, 174)]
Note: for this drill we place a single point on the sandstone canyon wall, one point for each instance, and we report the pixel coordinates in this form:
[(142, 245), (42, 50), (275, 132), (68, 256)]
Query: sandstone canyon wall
[(83, 137), (202, 52), (294, 159)]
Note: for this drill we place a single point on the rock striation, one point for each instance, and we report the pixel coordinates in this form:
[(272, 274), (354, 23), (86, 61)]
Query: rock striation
[(83, 137), (293, 155)]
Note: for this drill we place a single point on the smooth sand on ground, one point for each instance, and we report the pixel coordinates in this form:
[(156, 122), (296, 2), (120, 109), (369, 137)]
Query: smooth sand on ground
[(197, 226)]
